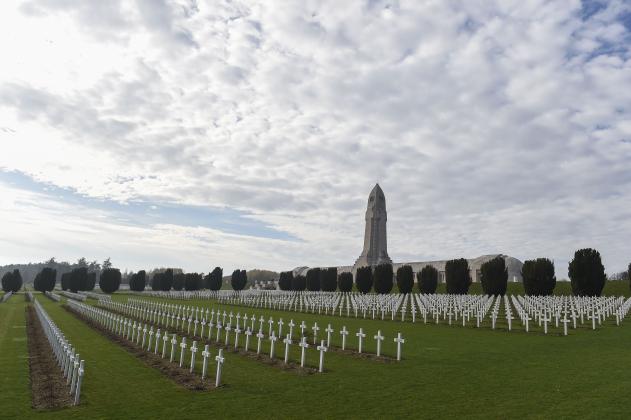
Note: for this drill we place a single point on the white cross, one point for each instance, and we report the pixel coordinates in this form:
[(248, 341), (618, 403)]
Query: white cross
[(303, 344), (379, 339), (261, 321), (218, 331), (565, 321), (399, 340), (195, 328), (237, 331), (183, 349), (303, 326), (280, 327), (144, 336), (344, 333), (271, 323), (220, 359), (315, 329), (287, 342), (230, 317), (238, 318), (272, 339), (205, 355), (291, 328), (165, 339), (223, 320), (150, 338), (361, 336), (193, 351), (228, 329), (158, 335), (322, 348), (253, 320), (248, 333), (328, 330), (260, 336)]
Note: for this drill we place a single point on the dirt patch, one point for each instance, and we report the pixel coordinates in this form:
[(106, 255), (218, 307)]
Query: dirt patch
[(48, 386), (181, 375)]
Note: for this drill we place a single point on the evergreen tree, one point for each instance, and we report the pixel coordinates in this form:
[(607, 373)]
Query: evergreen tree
[(494, 277), (214, 279), (192, 281), (299, 283), (285, 280), (110, 280), (239, 279), (91, 281), (587, 273), (363, 279), (405, 279), (313, 280), (156, 281), (538, 277), (328, 279), (137, 281), (457, 276), (427, 279), (78, 279), (178, 281), (166, 281), (383, 278), (45, 280), (12, 281), (345, 281), (65, 281)]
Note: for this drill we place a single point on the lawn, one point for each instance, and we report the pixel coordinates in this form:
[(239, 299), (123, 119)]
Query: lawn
[(446, 372)]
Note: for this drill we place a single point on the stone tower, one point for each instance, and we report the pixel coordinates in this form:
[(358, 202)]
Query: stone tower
[(375, 244)]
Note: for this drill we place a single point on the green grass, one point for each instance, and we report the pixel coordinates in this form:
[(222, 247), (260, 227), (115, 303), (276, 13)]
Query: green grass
[(446, 372)]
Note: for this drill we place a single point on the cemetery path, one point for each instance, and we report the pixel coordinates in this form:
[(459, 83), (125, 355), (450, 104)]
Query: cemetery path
[(48, 386)]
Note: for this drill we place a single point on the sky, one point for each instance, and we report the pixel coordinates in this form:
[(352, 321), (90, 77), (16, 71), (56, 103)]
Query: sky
[(249, 134)]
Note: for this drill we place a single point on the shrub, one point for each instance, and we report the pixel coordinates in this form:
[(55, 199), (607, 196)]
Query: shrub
[(538, 277), (383, 276), (192, 281), (405, 279), (285, 280), (313, 280), (12, 281), (45, 280), (457, 276), (166, 280), (345, 281), (110, 280), (494, 277), (239, 279), (363, 279), (137, 281), (587, 273), (214, 279), (427, 279), (328, 279), (299, 283)]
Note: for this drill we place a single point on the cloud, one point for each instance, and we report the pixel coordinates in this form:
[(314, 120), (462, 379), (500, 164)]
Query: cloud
[(493, 127)]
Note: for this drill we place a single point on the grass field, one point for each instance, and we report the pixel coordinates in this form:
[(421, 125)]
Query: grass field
[(446, 372)]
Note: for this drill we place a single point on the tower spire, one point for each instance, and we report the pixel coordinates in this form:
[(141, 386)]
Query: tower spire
[(375, 239)]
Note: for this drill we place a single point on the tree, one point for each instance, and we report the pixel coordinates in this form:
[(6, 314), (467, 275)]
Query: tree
[(78, 279), (91, 281), (383, 278), (299, 283), (192, 281), (494, 277), (166, 281), (427, 279), (313, 280), (239, 279), (457, 276), (178, 281), (12, 281), (156, 280), (538, 277), (110, 280), (137, 281), (328, 279), (107, 263), (345, 281), (363, 279), (285, 280), (587, 273), (65, 280), (45, 280), (405, 279), (214, 279)]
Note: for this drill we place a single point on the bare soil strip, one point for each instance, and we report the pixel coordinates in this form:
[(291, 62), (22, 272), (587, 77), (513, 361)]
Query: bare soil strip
[(48, 386), (180, 375)]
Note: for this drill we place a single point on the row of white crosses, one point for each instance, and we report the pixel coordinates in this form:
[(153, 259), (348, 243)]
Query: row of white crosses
[(70, 362), (95, 296), (132, 331), (71, 295), (52, 296), (219, 321)]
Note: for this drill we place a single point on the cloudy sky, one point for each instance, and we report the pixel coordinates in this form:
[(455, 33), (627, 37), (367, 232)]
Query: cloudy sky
[(200, 133)]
